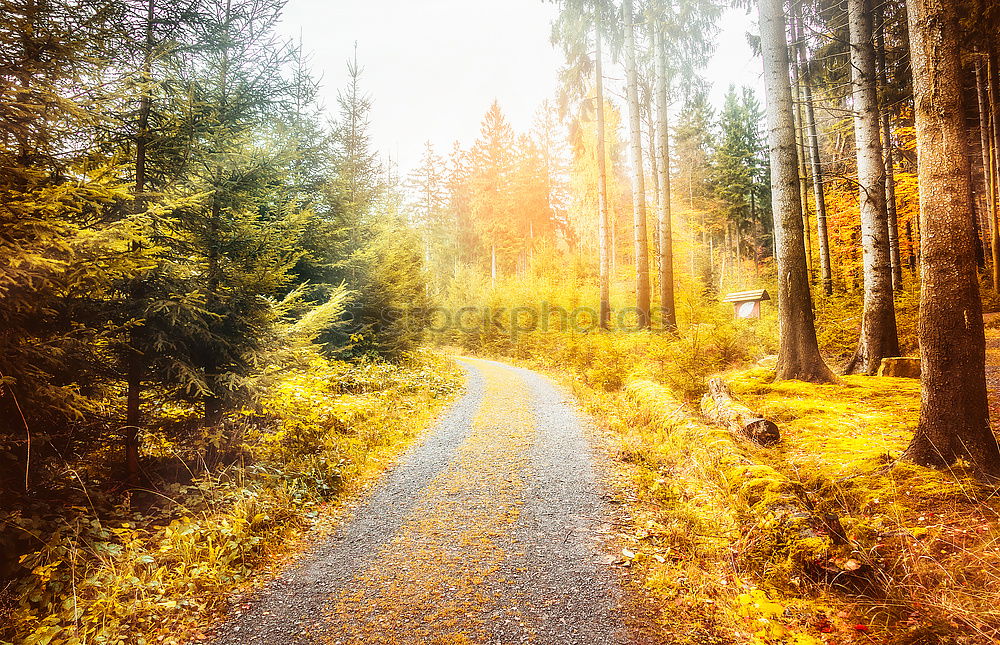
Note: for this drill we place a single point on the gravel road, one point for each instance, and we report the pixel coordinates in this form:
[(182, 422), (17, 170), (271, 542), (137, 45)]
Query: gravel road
[(490, 530)]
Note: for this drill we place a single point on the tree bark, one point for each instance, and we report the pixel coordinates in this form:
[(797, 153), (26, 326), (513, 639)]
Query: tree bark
[(822, 232), (668, 313), (878, 320), (989, 178), (638, 183), (603, 228), (800, 154), (798, 354), (954, 418), (135, 360), (892, 217), (994, 120), (721, 407), (654, 174)]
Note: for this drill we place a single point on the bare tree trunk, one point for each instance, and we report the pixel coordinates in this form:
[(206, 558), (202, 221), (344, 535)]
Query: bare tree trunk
[(654, 168), (667, 311), (994, 147), (798, 355), (822, 234), (614, 244), (602, 183), (989, 175), (892, 218), (878, 320), (638, 183), (954, 417), (800, 153), (493, 266)]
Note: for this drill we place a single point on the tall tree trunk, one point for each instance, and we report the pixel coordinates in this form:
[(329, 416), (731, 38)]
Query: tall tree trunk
[(603, 228), (668, 313), (135, 360), (892, 217), (994, 120), (654, 174), (798, 354), (493, 266), (989, 170), (912, 260), (638, 183), (822, 232), (800, 153), (954, 417), (613, 225), (878, 320)]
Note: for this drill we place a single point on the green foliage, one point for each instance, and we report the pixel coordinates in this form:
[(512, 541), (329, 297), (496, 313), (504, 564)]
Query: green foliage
[(740, 172), (153, 259), (183, 238), (99, 567)]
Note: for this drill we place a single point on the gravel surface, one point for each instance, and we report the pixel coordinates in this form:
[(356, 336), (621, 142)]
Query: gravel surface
[(490, 530), (574, 596)]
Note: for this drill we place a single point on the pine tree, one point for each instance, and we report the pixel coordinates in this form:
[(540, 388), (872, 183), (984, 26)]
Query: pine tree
[(55, 183), (739, 167), (357, 168), (491, 204), (155, 136), (235, 232), (429, 197)]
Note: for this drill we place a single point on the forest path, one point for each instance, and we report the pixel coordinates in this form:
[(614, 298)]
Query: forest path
[(490, 530)]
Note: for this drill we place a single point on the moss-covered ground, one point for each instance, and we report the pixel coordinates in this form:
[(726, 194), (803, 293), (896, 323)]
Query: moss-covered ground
[(929, 540), (827, 537)]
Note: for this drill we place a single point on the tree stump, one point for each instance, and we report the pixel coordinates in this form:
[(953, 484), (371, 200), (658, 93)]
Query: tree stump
[(720, 406), (900, 367)]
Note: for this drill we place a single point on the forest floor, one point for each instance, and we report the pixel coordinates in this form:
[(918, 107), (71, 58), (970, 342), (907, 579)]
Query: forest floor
[(517, 519), (495, 528)]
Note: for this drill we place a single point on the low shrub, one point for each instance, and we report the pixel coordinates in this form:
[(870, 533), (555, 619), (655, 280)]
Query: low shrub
[(101, 565)]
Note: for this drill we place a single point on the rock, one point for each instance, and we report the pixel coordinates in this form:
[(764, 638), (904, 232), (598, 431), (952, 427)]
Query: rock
[(901, 367)]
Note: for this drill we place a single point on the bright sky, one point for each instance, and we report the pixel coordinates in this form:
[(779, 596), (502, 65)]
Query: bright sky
[(432, 67)]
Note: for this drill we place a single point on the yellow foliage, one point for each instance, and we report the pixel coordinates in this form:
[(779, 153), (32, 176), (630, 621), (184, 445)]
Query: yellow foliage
[(156, 576)]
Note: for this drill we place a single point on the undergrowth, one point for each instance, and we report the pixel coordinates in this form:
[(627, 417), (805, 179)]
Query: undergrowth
[(930, 540), (99, 564), (826, 537)]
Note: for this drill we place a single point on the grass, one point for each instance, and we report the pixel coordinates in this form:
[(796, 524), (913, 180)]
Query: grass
[(722, 547), (827, 537), (930, 538), (840, 429)]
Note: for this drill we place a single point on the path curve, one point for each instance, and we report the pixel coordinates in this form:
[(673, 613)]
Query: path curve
[(490, 530)]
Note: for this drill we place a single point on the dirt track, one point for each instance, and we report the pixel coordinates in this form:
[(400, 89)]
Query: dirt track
[(491, 530)]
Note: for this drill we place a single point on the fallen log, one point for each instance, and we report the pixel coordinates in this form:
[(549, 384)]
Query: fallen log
[(720, 406)]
